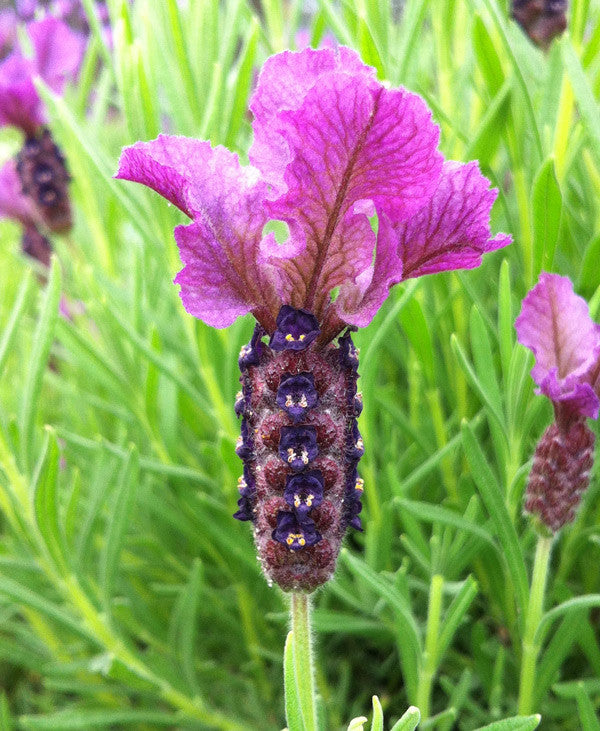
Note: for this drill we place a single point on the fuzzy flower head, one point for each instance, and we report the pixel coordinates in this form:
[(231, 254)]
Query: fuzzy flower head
[(57, 53), (334, 149), (555, 325)]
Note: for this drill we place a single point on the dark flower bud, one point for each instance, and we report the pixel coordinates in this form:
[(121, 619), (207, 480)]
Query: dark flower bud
[(246, 508), (244, 445), (298, 446), (247, 482), (348, 352), (297, 394), (542, 20), (304, 491), (295, 533), (44, 180), (37, 246), (560, 473), (355, 447), (295, 329), (250, 354)]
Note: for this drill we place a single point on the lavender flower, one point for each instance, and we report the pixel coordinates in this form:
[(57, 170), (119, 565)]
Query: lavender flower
[(40, 164), (555, 324), (18, 207), (332, 148)]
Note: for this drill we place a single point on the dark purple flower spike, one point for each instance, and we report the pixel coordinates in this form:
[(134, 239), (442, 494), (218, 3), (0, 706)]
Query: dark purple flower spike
[(555, 324), (332, 148), (542, 20)]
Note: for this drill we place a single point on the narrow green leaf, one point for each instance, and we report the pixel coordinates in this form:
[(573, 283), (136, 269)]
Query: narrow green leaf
[(6, 721), (488, 60), (505, 318), (11, 326), (455, 615), (546, 205), (486, 139), (589, 277), (571, 605), (357, 724), (494, 502), (484, 359), (587, 712), (516, 723), (119, 523), (38, 361), (101, 718), (476, 383), (377, 722), (584, 95), (293, 714), (409, 721), (45, 499)]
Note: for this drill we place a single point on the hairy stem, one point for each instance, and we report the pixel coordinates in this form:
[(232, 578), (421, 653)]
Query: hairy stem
[(535, 607), (303, 660)]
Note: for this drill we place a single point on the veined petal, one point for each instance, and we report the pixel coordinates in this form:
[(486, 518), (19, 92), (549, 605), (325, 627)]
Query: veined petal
[(13, 204), (452, 231), (359, 301), (351, 141), (283, 83), (20, 104), (555, 325), (170, 165), (58, 51)]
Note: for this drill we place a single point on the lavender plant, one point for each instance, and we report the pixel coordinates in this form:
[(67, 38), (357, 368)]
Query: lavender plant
[(333, 147)]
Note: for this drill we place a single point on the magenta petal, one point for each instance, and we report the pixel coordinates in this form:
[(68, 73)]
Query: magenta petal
[(452, 231), (169, 165), (57, 51), (350, 141), (359, 301), (13, 204), (20, 104), (283, 83), (555, 324)]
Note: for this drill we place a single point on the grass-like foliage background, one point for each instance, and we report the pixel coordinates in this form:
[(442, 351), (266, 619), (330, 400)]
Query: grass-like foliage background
[(129, 597)]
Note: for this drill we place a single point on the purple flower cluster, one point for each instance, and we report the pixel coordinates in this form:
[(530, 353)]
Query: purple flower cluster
[(334, 153), (33, 188), (555, 325)]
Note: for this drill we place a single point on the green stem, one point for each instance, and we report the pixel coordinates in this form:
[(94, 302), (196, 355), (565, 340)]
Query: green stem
[(303, 660), (535, 607), (430, 656)]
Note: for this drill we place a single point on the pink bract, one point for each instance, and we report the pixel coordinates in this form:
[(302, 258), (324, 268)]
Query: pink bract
[(333, 149), (57, 56), (555, 325)]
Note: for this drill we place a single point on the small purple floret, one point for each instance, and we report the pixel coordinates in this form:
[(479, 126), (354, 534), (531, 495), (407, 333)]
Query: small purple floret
[(298, 446), (295, 533), (297, 394), (250, 353), (295, 329), (246, 508), (244, 445), (304, 491), (355, 447)]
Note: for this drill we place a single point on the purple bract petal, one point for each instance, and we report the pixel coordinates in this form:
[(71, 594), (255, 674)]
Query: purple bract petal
[(57, 55), (58, 51), (351, 141), (282, 85), (452, 231), (13, 204), (359, 301), (224, 276), (555, 324)]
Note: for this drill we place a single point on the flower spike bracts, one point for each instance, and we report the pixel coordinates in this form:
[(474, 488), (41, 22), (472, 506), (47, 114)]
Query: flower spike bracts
[(333, 148), (555, 324)]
